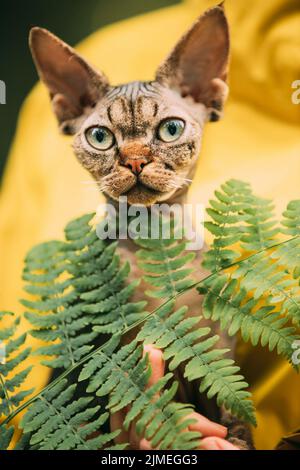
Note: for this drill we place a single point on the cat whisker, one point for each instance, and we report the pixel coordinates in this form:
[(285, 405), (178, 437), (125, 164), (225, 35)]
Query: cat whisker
[(97, 186), (174, 185), (179, 182), (91, 182), (93, 189), (103, 187), (183, 180)]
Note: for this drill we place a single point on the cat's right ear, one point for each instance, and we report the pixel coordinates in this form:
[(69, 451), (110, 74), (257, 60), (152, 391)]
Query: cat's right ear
[(197, 67), (74, 86)]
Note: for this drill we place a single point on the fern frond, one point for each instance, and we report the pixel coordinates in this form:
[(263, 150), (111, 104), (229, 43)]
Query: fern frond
[(290, 258), (54, 311), (6, 435), (123, 376), (164, 261), (261, 228), (291, 221), (55, 421), (183, 341), (6, 439), (286, 259), (255, 295), (237, 216), (111, 303), (268, 277), (226, 300), (77, 283), (80, 293), (12, 376)]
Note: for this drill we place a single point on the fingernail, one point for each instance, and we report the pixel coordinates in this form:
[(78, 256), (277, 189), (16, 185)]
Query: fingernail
[(207, 427), (225, 445), (209, 444), (220, 427), (223, 430), (145, 445), (215, 443)]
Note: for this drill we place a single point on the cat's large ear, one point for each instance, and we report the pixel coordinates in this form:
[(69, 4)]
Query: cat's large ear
[(74, 86), (198, 65)]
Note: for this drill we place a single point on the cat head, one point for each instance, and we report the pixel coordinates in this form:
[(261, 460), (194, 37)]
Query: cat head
[(140, 139)]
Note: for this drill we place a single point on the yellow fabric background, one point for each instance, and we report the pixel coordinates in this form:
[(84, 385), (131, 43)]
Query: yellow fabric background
[(258, 141)]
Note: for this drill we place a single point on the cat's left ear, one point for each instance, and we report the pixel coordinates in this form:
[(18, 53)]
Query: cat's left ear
[(74, 86), (198, 65)]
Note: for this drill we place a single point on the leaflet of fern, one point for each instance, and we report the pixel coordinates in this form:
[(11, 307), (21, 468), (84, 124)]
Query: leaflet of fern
[(122, 375)]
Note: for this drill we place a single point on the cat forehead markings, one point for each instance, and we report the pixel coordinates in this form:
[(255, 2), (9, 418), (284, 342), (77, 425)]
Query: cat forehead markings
[(133, 105), (134, 90)]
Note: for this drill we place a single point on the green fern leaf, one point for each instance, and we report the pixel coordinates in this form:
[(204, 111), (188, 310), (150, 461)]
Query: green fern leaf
[(6, 435), (182, 342), (237, 216), (79, 293), (55, 421), (164, 261), (11, 378), (76, 284), (291, 221), (123, 376), (289, 256), (268, 277), (226, 300)]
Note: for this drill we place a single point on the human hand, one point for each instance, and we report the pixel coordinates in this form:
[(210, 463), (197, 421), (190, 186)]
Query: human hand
[(213, 434)]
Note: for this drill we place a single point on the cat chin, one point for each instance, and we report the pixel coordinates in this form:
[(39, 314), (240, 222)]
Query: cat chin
[(141, 195)]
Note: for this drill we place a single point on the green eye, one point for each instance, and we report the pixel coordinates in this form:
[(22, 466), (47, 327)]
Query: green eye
[(171, 129), (100, 138)]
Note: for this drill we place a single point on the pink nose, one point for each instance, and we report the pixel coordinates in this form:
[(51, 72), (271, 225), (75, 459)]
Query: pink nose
[(136, 165)]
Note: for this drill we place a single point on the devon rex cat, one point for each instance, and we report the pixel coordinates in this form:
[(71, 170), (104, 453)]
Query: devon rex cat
[(142, 139)]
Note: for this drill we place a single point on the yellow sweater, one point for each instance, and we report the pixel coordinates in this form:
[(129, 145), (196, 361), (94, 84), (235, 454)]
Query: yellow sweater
[(258, 141)]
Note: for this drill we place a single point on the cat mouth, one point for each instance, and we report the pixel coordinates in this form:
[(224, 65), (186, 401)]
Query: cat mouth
[(144, 189), (141, 194), (142, 186)]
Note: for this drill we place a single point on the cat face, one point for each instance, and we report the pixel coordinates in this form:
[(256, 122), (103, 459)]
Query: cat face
[(141, 139)]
